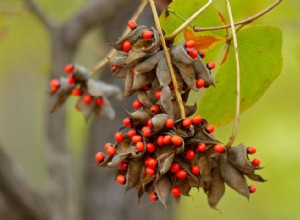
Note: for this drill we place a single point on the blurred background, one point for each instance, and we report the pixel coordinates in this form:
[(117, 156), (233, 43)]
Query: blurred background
[(26, 56)]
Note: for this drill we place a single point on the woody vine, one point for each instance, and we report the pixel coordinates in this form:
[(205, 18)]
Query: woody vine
[(163, 148)]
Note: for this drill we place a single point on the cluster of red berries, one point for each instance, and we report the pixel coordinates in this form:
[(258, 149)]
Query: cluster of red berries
[(92, 94)]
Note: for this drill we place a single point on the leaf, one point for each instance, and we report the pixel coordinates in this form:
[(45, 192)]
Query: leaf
[(261, 62), (163, 188), (216, 189), (233, 178)]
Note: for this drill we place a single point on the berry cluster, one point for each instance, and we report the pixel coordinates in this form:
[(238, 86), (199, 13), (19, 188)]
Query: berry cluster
[(157, 151), (93, 95)]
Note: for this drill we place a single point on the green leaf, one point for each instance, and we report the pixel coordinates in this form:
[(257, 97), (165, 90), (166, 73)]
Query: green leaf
[(261, 62)]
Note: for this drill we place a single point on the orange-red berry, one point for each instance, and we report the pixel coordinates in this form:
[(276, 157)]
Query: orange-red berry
[(201, 147), (111, 151), (137, 104), (195, 170), (100, 101), (201, 54), (252, 189), (108, 145), (136, 138), (147, 35), (197, 120), (152, 163), (132, 71), (54, 84), (153, 197), (193, 53), (114, 68), (190, 44), (132, 24), (200, 83), (251, 150), (131, 133), (147, 131), (176, 192), (148, 87), (99, 157), (211, 65), (149, 123), (190, 154), (87, 99), (210, 129), (155, 109), (181, 174), (139, 146), (119, 137), (175, 167), (150, 147), (69, 68), (219, 148), (71, 80), (177, 140), (127, 122), (126, 46), (121, 179), (169, 123), (158, 94), (187, 122), (167, 139), (123, 166), (147, 161), (255, 162), (76, 92), (150, 171), (160, 140)]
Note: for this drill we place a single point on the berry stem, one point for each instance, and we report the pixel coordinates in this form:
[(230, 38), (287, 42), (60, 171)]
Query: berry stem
[(244, 22), (168, 57), (238, 80), (188, 21), (135, 16)]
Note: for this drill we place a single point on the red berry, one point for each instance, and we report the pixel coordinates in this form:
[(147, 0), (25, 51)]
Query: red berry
[(158, 94), (100, 101), (255, 162), (107, 146), (181, 174), (87, 99), (252, 189), (147, 132), (175, 167), (190, 44), (187, 122), (126, 46), (155, 109), (132, 71), (99, 157), (148, 87), (71, 80), (211, 65), (149, 123), (69, 68), (169, 123), (201, 54), (111, 151), (121, 179), (160, 140), (137, 104), (123, 166), (195, 170), (167, 139), (185, 88), (152, 163), (210, 129), (131, 24), (147, 161), (171, 86), (150, 147), (153, 197), (219, 148), (201, 147), (150, 171), (177, 140), (190, 154), (76, 92), (200, 83), (136, 138), (127, 122), (131, 133), (176, 191), (139, 146), (147, 35), (114, 68), (54, 84), (193, 53), (119, 137), (197, 120), (251, 150)]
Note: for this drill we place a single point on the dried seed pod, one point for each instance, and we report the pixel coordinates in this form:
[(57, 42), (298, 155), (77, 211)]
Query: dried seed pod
[(81, 73), (144, 98), (142, 80)]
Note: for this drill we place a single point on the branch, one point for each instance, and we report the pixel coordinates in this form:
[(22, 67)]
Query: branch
[(37, 11), (28, 203), (94, 13), (169, 61), (238, 80), (244, 22)]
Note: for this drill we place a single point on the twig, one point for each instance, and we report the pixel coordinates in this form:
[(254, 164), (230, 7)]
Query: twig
[(168, 57), (188, 21), (135, 16), (35, 9), (238, 80), (244, 22)]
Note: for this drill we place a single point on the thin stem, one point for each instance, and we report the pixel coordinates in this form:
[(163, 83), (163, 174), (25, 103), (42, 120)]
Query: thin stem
[(244, 22), (238, 80), (188, 21), (135, 16), (169, 61)]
